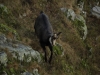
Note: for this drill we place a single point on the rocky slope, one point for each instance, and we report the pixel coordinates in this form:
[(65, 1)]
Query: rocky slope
[(77, 50)]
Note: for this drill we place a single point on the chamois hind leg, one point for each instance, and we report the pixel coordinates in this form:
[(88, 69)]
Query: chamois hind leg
[(44, 49), (50, 59)]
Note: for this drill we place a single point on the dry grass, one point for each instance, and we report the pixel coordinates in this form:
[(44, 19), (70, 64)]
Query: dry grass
[(70, 53), (67, 3), (25, 12)]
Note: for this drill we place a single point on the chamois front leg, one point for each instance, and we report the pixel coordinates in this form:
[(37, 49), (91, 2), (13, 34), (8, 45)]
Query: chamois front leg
[(51, 49), (45, 55)]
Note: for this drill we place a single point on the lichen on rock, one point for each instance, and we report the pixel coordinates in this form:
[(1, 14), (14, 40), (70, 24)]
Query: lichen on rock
[(18, 50)]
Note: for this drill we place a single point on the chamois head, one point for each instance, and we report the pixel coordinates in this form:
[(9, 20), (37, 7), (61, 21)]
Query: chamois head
[(53, 38)]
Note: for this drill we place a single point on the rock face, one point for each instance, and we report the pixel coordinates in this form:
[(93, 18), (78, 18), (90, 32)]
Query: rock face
[(96, 11), (70, 14), (18, 50)]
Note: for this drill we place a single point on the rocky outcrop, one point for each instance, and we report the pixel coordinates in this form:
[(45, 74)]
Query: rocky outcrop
[(18, 50), (84, 27), (70, 14)]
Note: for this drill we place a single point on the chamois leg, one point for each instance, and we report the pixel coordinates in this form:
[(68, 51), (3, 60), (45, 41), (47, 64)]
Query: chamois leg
[(45, 55), (50, 47), (44, 49)]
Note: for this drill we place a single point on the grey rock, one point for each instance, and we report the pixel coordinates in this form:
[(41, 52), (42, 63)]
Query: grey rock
[(26, 73), (80, 18), (81, 5), (4, 8), (63, 9), (71, 14), (2, 38), (19, 51), (3, 58), (96, 11), (35, 72)]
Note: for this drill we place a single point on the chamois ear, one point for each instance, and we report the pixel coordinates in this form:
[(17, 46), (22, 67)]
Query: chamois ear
[(59, 33)]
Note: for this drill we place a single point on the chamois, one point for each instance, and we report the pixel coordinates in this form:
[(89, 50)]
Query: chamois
[(44, 32)]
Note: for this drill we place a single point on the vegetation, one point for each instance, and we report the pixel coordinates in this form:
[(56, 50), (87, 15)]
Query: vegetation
[(80, 57), (79, 24), (5, 29)]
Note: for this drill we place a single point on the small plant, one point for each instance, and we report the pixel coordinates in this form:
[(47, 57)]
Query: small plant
[(79, 25), (68, 68), (12, 71), (58, 49), (3, 10), (86, 65), (6, 29)]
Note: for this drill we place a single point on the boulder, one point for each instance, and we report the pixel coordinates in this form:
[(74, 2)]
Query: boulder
[(84, 27), (96, 11)]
